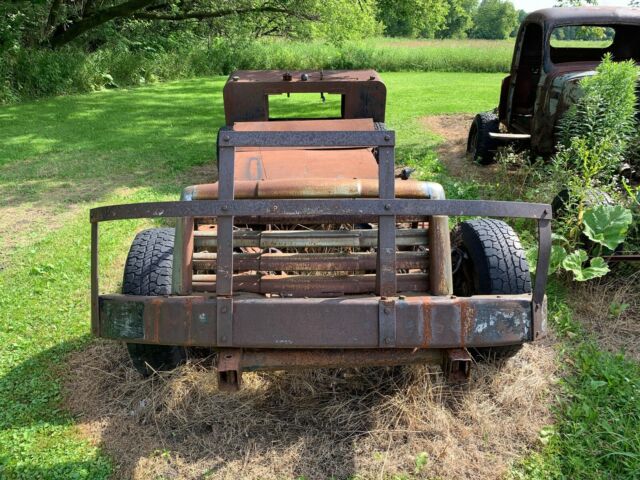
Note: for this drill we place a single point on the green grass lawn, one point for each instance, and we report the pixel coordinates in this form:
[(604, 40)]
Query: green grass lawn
[(63, 156)]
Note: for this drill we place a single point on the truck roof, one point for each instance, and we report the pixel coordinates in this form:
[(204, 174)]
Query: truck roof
[(585, 15)]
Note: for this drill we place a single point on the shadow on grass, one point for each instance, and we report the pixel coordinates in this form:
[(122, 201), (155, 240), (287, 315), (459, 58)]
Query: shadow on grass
[(292, 425), (37, 437), (83, 148)]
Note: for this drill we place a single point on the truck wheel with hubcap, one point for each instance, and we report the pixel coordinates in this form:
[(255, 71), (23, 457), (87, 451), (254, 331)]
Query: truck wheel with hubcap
[(148, 272), (489, 260), (480, 146)]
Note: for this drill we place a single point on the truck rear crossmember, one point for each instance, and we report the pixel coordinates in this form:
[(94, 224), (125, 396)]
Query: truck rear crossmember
[(389, 326)]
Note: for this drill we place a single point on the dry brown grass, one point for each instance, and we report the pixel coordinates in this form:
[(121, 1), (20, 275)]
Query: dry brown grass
[(610, 308), (372, 423)]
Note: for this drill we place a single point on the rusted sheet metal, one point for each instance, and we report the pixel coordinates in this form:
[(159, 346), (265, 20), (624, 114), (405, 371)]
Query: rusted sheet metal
[(273, 164), (311, 285), (304, 262), (345, 322), (311, 238), (246, 93), (313, 188), (332, 125), (293, 358)]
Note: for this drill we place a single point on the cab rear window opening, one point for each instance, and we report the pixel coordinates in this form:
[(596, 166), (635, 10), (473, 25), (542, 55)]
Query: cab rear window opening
[(589, 43)]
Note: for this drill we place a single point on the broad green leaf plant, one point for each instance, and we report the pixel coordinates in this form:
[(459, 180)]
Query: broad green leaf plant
[(606, 226)]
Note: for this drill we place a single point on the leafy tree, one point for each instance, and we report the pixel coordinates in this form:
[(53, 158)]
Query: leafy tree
[(59, 22), (459, 21), (413, 18), (495, 19)]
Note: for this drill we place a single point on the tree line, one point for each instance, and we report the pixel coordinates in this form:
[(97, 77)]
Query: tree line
[(95, 23)]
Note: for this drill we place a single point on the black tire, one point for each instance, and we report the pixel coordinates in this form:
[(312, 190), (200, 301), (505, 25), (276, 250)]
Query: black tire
[(490, 261), (480, 146), (593, 198), (148, 272)]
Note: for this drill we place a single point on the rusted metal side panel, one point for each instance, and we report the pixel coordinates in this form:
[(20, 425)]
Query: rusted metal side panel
[(346, 322)]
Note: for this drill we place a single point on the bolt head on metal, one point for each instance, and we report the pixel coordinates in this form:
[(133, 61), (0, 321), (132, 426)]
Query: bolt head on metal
[(226, 138), (304, 77), (387, 138), (387, 341), (387, 206), (387, 310), (235, 78), (225, 208)]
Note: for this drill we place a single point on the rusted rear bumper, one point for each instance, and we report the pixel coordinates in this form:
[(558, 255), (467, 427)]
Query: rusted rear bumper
[(345, 322)]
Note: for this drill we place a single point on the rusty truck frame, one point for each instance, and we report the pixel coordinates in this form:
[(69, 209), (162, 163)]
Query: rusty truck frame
[(396, 305)]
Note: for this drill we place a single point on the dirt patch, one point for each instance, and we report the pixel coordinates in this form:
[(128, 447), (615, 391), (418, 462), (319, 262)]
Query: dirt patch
[(454, 129), (610, 309), (315, 424)]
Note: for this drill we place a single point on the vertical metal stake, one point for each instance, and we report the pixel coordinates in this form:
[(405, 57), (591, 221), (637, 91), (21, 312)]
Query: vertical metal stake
[(386, 282), (224, 266), (95, 279)]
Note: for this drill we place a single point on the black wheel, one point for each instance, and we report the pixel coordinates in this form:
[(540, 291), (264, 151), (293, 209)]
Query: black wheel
[(148, 272), (480, 146), (489, 260)]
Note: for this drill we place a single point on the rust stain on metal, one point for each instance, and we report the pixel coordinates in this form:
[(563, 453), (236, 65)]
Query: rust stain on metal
[(467, 320), (155, 312)]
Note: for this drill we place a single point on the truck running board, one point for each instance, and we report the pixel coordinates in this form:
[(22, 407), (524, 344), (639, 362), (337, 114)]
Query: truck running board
[(510, 137)]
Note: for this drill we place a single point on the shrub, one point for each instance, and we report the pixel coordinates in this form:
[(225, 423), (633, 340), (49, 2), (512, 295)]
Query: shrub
[(596, 136)]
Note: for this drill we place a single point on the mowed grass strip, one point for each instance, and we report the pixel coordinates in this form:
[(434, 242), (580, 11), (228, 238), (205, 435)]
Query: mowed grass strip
[(117, 147)]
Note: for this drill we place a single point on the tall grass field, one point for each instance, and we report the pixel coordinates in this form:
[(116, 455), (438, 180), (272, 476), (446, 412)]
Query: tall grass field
[(30, 74)]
